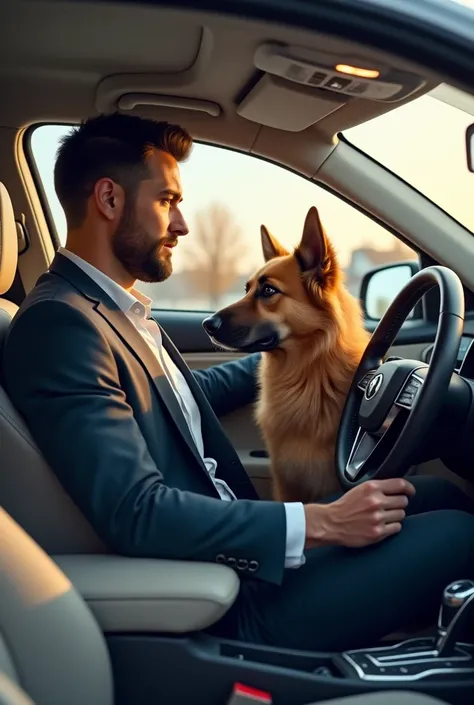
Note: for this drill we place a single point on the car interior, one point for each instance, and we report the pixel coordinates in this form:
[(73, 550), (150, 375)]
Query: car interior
[(79, 624)]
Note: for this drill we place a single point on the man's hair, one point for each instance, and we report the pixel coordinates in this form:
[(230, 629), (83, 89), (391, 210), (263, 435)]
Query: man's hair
[(113, 146)]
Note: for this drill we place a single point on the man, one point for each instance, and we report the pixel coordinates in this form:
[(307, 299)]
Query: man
[(134, 439)]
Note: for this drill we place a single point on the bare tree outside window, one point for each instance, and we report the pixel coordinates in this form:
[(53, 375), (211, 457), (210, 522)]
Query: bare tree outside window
[(214, 255)]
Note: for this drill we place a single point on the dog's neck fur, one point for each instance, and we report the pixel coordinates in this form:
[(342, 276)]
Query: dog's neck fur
[(318, 371)]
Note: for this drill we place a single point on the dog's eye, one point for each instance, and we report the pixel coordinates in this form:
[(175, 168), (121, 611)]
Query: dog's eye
[(267, 291)]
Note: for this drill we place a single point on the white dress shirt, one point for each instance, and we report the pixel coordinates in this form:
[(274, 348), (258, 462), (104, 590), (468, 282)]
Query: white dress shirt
[(137, 307)]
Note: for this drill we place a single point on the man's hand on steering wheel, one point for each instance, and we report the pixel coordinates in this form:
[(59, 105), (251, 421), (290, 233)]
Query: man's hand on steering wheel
[(365, 515)]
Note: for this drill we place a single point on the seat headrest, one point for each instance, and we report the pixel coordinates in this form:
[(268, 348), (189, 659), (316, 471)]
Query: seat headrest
[(8, 241)]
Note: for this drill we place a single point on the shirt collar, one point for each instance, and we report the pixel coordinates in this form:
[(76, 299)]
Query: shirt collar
[(132, 301)]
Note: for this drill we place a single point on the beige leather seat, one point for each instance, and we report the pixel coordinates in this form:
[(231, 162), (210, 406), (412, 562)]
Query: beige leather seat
[(52, 519), (51, 649), (169, 596), (50, 644)]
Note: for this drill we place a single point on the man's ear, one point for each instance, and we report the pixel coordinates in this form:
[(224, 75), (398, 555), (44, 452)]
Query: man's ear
[(270, 245), (313, 249), (109, 198)]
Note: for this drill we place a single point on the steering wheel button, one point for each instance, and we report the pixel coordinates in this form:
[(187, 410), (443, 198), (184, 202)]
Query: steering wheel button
[(405, 400)]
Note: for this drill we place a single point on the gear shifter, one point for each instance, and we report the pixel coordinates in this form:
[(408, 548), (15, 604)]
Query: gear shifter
[(449, 655), (456, 617)]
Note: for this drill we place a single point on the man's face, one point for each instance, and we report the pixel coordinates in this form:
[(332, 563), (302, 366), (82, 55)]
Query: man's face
[(152, 222)]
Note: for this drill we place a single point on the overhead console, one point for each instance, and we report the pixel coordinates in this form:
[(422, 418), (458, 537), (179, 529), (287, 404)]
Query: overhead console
[(298, 86), (342, 75)]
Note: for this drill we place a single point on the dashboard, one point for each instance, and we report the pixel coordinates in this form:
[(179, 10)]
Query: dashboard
[(465, 359)]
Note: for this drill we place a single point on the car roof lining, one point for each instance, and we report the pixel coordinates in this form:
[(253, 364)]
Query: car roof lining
[(54, 69)]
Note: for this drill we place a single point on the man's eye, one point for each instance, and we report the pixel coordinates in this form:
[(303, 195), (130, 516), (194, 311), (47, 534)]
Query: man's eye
[(165, 201), (267, 291)]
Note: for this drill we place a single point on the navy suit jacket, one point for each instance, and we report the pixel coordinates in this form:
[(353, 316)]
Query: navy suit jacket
[(103, 414)]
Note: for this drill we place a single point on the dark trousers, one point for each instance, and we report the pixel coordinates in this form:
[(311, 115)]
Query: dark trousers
[(347, 598)]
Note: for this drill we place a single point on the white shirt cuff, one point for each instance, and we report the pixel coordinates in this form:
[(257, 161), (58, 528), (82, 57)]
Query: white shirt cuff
[(295, 534)]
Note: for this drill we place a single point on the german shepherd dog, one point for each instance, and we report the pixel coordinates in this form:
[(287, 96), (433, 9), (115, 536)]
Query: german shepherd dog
[(298, 313)]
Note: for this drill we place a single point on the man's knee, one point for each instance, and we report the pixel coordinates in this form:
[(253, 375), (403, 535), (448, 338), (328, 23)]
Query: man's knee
[(438, 493), (452, 528)]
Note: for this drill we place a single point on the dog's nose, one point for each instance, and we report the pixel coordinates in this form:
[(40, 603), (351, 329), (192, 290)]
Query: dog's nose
[(212, 324)]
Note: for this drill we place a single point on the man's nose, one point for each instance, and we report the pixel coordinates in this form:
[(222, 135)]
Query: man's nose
[(178, 225)]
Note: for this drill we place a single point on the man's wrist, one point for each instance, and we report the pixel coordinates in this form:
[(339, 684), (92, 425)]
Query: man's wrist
[(320, 530)]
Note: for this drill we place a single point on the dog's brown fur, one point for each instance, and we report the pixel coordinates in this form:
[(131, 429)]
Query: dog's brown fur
[(305, 380)]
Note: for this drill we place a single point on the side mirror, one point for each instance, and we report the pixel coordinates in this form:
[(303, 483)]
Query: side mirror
[(470, 147), (380, 286)]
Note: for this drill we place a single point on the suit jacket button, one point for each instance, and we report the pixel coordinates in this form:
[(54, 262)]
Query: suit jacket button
[(242, 564), (220, 558), (231, 562), (253, 566)]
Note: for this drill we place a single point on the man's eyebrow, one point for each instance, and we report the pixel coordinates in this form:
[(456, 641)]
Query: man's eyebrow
[(172, 193)]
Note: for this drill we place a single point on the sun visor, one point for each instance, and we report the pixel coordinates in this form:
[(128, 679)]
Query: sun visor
[(277, 103)]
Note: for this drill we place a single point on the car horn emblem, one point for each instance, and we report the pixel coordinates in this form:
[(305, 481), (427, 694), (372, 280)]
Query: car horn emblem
[(373, 386)]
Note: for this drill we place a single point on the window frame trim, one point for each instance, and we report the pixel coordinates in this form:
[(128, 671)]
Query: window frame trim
[(43, 199)]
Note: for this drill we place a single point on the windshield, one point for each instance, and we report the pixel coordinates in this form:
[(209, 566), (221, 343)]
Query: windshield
[(423, 142)]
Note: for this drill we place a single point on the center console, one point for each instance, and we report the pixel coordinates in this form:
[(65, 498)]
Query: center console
[(441, 666), (155, 618)]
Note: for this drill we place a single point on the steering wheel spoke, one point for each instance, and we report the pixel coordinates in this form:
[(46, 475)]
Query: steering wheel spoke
[(369, 448), (362, 448)]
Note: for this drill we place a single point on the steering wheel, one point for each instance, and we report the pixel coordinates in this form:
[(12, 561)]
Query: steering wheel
[(391, 405)]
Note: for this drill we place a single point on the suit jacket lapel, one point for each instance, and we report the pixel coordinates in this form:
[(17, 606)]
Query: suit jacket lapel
[(129, 335), (135, 343)]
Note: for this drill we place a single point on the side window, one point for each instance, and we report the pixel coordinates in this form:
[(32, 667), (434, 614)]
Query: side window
[(227, 196)]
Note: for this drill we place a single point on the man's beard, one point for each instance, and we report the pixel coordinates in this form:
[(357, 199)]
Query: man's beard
[(132, 246)]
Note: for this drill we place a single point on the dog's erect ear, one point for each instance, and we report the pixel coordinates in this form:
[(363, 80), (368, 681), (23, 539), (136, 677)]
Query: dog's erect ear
[(270, 245), (315, 253), (313, 248)]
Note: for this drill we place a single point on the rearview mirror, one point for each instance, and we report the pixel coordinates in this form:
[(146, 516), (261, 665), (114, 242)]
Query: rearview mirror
[(380, 286)]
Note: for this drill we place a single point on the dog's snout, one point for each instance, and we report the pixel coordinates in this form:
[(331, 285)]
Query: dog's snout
[(212, 324)]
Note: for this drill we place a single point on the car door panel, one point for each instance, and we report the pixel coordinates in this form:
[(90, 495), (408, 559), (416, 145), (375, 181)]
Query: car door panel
[(185, 329)]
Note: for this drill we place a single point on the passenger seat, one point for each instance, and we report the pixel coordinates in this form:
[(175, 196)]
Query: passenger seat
[(51, 648)]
